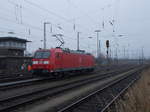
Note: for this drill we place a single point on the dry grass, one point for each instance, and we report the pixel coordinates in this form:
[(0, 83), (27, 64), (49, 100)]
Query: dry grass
[(137, 99)]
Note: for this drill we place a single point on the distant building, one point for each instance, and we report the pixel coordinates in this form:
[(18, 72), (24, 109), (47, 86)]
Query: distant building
[(12, 46), (12, 55)]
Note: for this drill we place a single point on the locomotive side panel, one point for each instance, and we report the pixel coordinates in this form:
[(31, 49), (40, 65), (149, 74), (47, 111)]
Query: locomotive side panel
[(69, 60), (60, 61)]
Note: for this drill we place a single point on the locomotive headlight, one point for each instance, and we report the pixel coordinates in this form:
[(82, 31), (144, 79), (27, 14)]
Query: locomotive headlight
[(35, 62), (45, 62)]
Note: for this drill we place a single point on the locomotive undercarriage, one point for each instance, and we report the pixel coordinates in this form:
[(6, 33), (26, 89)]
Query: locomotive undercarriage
[(61, 72)]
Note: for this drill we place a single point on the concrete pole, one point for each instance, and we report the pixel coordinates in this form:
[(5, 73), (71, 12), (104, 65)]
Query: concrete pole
[(78, 40), (98, 43), (45, 34)]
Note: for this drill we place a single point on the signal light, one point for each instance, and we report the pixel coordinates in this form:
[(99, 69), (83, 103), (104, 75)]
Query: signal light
[(107, 43)]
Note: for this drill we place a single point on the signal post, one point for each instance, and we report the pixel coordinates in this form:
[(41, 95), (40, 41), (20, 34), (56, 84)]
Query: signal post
[(107, 46)]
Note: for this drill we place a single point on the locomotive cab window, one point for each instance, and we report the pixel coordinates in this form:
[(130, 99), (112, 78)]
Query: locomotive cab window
[(42, 54)]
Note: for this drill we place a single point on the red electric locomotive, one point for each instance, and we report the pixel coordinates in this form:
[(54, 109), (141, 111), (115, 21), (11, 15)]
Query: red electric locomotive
[(58, 60)]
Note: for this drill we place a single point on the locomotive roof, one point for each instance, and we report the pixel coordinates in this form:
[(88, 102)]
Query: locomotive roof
[(66, 50), (73, 51)]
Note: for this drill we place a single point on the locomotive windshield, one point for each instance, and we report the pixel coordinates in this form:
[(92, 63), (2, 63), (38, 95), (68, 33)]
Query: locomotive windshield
[(42, 54)]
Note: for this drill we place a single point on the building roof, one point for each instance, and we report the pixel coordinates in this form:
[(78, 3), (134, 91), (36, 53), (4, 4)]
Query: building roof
[(13, 39), (17, 57)]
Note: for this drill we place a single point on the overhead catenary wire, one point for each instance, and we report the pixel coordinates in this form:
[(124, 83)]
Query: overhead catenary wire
[(43, 10), (32, 34), (115, 15), (83, 12), (15, 4), (32, 26), (54, 14), (24, 24)]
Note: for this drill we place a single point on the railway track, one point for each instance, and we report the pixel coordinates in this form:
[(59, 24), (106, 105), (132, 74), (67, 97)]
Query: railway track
[(100, 94), (14, 77), (12, 99), (30, 80), (18, 76), (119, 94)]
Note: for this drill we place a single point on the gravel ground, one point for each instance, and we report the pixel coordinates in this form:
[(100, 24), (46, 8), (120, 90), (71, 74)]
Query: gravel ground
[(53, 104)]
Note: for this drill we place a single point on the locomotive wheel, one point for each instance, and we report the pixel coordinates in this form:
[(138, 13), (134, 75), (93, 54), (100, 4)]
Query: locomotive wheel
[(57, 75)]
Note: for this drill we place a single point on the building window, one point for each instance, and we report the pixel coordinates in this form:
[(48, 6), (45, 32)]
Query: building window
[(24, 45), (2, 44), (7, 44), (10, 44)]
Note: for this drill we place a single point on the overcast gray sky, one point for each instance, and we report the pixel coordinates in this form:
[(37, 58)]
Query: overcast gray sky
[(131, 17)]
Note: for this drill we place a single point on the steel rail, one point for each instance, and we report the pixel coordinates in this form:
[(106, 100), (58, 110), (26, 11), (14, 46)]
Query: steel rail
[(15, 78), (95, 92), (8, 85), (119, 94), (13, 81), (47, 91)]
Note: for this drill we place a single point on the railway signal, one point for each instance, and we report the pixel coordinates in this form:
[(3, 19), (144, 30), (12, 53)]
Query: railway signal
[(107, 45)]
